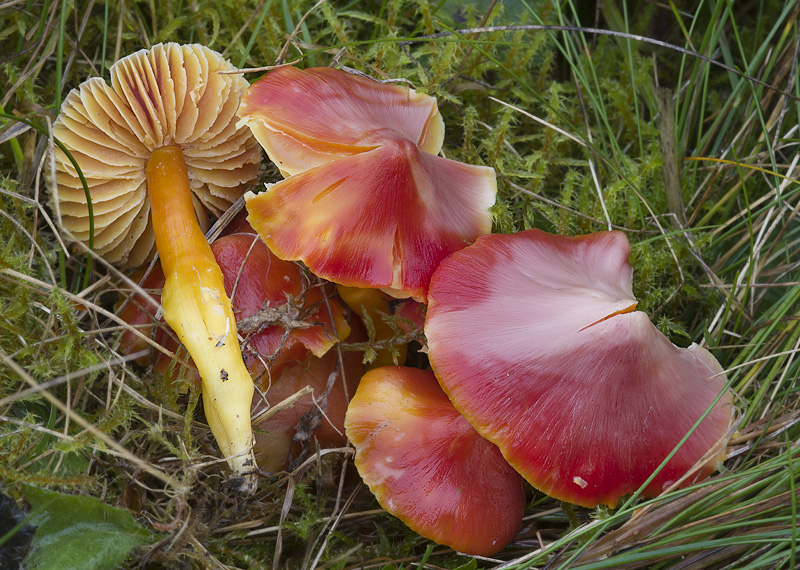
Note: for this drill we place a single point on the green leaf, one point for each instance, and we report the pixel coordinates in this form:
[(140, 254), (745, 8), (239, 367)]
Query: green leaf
[(79, 532), (471, 565)]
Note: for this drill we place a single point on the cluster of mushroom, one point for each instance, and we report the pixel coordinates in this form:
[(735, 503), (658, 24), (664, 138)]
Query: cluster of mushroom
[(542, 369), (572, 388)]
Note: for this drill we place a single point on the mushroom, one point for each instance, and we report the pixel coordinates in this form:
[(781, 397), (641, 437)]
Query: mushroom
[(289, 329), (536, 340), (427, 466), (368, 203), (139, 313), (160, 148), (283, 319), (411, 314), (305, 118), (317, 417)]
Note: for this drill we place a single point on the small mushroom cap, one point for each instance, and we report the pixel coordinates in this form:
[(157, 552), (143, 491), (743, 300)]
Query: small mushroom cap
[(275, 438), (281, 314), (305, 118), (411, 314), (535, 339), (169, 95), (427, 466), (384, 218), (138, 312)]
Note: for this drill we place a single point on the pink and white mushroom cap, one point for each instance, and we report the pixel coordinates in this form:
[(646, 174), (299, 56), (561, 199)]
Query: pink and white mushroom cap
[(536, 340), (170, 94)]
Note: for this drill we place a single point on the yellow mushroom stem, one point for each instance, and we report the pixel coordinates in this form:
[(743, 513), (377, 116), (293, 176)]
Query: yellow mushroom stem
[(376, 304), (199, 311)]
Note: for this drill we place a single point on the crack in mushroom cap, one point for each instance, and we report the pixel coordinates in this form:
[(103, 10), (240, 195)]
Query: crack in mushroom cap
[(168, 95), (535, 339)]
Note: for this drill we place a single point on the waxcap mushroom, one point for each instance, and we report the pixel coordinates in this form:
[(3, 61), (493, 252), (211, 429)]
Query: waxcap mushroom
[(168, 95), (314, 419), (536, 340), (368, 203), (305, 118), (160, 148), (281, 314), (281, 317), (427, 466)]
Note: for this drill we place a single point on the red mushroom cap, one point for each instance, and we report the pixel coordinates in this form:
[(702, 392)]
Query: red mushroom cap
[(535, 340), (367, 203), (260, 281), (384, 218), (274, 437), (411, 313), (427, 466), (305, 118), (141, 314)]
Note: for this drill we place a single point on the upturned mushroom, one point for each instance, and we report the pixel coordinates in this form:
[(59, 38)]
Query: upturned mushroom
[(536, 340), (427, 466), (161, 151), (367, 203)]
